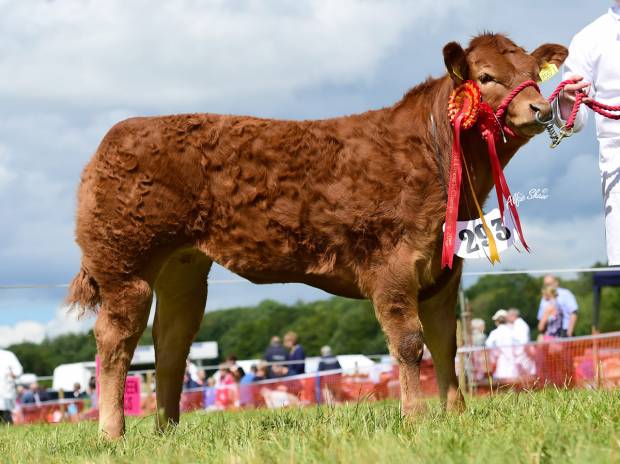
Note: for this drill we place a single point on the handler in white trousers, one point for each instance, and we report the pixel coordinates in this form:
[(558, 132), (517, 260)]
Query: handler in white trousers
[(10, 369), (594, 60)]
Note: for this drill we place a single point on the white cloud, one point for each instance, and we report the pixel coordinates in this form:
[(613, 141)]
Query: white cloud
[(38, 203), (115, 52), (64, 322), (6, 174), (23, 331), (564, 244), (579, 187)]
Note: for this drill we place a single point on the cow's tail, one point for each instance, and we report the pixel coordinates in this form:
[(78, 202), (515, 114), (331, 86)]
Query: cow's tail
[(83, 293)]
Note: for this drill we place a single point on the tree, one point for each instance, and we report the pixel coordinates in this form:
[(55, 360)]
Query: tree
[(491, 293)]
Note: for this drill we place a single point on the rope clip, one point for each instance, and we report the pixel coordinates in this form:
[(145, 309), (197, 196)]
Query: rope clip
[(564, 132)]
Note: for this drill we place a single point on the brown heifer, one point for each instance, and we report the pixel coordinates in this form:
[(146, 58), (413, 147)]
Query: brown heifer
[(353, 205)]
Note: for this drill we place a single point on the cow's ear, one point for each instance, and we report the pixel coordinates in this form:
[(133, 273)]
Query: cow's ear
[(456, 62), (550, 54)]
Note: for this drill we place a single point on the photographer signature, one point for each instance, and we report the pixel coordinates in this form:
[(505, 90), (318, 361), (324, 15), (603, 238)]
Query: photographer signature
[(534, 194)]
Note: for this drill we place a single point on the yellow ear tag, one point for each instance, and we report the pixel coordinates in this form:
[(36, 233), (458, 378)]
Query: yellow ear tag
[(457, 73), (547, 71)]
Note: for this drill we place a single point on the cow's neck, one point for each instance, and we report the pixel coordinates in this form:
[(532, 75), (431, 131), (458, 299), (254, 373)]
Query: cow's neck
[(413, 113), (476, 155)]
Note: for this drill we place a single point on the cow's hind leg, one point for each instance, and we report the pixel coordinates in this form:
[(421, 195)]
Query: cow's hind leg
[(181, 290), (439, 321), (120, 322)]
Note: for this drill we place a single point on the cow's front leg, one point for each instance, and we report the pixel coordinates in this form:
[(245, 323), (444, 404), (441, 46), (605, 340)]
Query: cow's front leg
[(439, 320), (396, 307)]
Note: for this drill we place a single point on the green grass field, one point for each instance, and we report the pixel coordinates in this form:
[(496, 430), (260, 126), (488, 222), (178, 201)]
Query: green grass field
[(543, 427)]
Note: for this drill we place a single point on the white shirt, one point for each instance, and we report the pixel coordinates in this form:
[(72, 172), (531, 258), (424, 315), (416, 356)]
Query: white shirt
[(9, 367), (594, 53), (567, 305), (501, 340), (521, 330)]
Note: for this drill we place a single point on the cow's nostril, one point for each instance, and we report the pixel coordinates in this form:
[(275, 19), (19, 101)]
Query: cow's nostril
[(535, 108)]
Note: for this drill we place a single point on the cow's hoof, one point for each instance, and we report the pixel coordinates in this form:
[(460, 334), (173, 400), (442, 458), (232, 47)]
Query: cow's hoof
[(164, 423), (455, 402), (113, 434), (414, 409)]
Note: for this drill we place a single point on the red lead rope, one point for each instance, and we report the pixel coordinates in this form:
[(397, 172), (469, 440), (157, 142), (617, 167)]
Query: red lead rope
[(503, 106), (597, 107)]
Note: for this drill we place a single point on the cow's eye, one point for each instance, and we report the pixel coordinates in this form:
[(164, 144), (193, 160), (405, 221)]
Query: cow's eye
[(484, 78)]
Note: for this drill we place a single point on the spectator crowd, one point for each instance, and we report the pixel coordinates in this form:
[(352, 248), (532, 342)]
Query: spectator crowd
[(510, 358), (19, 401), (232, 386)]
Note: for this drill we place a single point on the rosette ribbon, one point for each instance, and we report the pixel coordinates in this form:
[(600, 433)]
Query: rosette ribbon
[(465, 111)]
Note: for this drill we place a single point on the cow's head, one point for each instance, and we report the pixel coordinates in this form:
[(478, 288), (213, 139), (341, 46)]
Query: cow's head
[(498, 66)]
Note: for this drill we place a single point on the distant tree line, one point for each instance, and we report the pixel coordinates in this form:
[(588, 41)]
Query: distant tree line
[(348, 326)]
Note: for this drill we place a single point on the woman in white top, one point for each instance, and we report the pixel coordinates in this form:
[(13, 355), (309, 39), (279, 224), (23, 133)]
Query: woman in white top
[(502, 343), (594, 61), (10, 369)]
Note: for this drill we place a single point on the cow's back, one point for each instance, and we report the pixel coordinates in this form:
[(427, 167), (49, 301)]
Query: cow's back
[(256, 195)]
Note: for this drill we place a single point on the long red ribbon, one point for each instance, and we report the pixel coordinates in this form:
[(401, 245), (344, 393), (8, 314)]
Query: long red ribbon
[(501, 187), (454, 192), (489, 127)]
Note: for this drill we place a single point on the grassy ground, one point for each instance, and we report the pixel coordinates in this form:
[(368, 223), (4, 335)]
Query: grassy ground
[(545, 427)]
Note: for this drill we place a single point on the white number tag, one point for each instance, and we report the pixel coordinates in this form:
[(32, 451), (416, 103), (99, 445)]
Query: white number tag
[(471, 241)]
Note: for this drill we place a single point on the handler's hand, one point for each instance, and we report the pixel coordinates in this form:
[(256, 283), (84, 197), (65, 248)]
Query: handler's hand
[(567, 96)]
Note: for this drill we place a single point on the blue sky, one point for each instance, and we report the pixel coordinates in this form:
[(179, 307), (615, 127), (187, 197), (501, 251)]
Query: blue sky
[(71, 69)]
